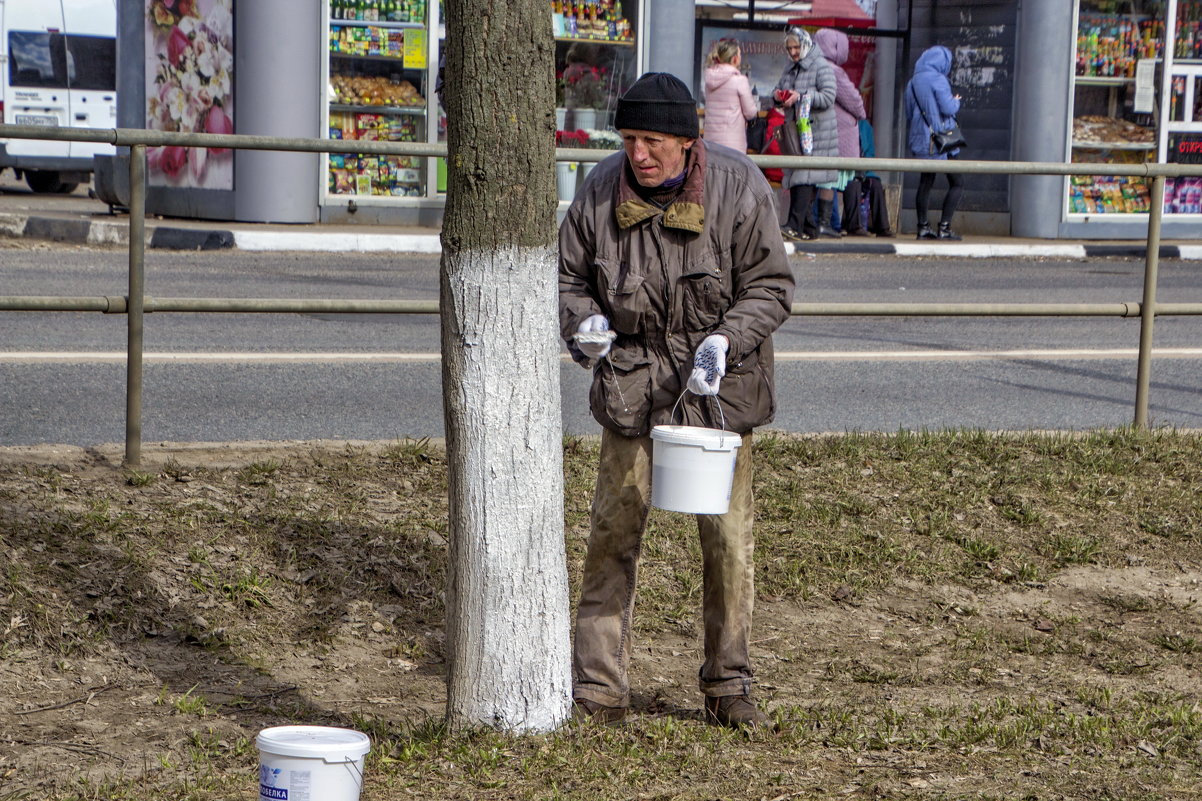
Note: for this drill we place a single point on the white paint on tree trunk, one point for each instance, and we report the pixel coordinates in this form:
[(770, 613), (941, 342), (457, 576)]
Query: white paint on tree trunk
[(507, 606)]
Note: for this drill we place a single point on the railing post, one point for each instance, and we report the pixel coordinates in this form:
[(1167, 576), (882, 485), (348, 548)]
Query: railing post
[(135, 305), (1147, 309)]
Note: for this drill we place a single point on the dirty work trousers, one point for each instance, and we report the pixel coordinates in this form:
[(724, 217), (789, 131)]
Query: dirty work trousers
[(601, 653)]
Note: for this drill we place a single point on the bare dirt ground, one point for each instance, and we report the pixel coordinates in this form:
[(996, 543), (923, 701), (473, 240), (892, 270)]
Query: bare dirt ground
[(123, 657)]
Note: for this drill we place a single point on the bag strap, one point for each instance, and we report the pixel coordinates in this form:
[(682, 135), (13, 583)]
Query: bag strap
[(925, 118), (920, 109)]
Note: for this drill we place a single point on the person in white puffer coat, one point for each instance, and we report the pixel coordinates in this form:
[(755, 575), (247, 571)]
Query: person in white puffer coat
[(729, 102)]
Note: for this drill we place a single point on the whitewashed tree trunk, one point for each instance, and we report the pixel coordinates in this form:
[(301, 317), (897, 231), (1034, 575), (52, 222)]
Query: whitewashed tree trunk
[(507, 595)]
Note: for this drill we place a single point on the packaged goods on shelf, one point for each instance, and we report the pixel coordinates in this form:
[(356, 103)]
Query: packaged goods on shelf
[(1110, 45), (1183, 195), (395, 176), (1189, 30), (1097, 129), (1109, 194), (379, 10), (596, 20), (374, 90), (367, 41), (372, 127)]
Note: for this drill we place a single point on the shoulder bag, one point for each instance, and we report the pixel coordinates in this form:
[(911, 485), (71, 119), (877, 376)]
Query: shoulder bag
[(942, 142), (757, 129), (786, 134)]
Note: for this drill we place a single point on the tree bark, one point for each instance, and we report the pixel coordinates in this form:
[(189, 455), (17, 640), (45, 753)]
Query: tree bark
[(507, 600)]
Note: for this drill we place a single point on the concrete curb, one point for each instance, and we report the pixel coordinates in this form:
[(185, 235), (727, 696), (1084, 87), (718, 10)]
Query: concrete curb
[(162, 237), (337, 242), (166, 238)]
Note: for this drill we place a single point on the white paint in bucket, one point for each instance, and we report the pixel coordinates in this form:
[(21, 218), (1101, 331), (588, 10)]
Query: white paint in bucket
[(692, 468), (311, 763)]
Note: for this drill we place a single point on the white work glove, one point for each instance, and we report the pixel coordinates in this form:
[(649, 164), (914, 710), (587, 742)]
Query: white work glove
[(709, 365), (593, 336)]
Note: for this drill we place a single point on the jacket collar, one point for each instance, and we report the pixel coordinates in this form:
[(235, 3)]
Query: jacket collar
[(686, 212)]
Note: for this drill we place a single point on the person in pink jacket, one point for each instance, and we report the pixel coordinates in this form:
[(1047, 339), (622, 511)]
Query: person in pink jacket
[(729, 103)]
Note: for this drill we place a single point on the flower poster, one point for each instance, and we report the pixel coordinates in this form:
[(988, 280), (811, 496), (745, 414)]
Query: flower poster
[(190, 88)]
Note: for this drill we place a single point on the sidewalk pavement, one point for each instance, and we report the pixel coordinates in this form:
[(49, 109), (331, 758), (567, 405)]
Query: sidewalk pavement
[(78, 219)]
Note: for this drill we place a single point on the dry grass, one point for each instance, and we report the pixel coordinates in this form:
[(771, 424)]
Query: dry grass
[(952, 614)]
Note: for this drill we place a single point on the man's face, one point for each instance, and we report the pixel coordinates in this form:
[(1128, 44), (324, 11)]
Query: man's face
[(655, 157)]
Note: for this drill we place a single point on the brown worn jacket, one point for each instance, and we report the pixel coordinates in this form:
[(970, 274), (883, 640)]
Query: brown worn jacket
[(712, 262)]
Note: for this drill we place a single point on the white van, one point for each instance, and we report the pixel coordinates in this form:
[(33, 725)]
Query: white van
[(58, 67)]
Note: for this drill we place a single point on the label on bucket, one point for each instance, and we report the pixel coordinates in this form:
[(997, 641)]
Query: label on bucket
[(274, 787)]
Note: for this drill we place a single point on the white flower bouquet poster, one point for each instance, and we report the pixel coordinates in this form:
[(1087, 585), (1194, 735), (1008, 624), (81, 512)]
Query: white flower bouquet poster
[(190, 88)]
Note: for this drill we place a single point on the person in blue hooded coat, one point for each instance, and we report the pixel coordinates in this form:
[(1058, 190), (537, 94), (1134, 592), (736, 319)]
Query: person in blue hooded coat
[(929, 92)]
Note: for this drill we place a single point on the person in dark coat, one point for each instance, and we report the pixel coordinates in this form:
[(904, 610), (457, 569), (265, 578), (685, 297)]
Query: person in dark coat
[(672, 278), (929, 93)]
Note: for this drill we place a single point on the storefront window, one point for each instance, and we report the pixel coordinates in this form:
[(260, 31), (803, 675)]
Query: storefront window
[(383, 75), (1117, 113), (378, 84), (595, 58)]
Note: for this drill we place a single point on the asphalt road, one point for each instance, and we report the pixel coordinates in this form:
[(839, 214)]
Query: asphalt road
[(222, 377)]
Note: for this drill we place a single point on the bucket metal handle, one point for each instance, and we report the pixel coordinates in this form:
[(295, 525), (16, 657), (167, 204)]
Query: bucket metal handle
[(714, 398)]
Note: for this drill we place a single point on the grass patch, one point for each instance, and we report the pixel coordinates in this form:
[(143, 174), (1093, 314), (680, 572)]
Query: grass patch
[(940, 614)]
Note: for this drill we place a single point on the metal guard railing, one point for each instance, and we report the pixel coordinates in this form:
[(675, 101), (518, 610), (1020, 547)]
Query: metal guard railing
[(137, 304)]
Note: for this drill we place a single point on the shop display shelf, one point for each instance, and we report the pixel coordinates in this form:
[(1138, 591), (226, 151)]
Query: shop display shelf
[(1113, 145), (362, 23), (615, 42), (1102, 80), (397, 59), (417, 111)]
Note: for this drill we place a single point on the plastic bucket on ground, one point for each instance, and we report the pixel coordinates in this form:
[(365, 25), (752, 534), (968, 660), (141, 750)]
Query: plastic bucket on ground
[(692, 468), (311, 763)]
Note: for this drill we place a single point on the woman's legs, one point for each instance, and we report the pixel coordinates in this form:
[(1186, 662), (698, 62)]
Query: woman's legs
[(922, 201), (922, 198), (951, 201), (801, 198), (851, 207)]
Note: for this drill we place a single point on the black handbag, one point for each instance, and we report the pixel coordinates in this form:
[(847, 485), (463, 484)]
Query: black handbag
[(757, 128), (942, 142), (947, 141)]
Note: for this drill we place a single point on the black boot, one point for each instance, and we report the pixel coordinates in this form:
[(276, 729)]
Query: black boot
[(824, 218), (946, 232), (925, 232)]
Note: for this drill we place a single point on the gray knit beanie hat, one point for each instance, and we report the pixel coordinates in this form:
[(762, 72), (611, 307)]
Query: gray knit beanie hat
[(658, 102)]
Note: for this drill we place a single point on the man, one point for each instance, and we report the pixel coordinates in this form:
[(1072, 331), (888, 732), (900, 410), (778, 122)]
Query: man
[(672, 274)]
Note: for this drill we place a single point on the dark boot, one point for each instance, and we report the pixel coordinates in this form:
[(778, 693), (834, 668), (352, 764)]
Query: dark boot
[(925, 232), (824, 218), (735, 711), (583, 709), (946, 232)]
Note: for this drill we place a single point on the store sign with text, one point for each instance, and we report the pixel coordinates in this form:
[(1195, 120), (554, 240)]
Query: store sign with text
[(1185, 148)]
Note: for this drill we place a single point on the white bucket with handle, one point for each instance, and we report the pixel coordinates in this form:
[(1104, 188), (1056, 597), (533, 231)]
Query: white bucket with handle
[(693, 468), (311, 763)]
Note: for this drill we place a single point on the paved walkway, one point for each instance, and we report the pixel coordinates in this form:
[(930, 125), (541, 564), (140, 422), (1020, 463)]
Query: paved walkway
[(79, 219)]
